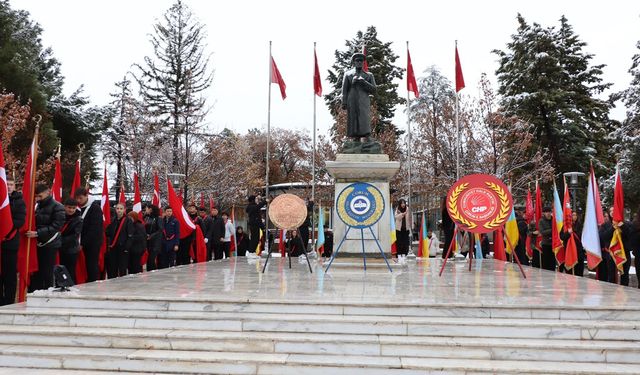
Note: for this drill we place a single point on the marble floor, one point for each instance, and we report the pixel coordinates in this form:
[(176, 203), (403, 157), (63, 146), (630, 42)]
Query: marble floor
[(488, 283)]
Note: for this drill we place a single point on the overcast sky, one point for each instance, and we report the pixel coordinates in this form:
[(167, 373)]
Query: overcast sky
[(98, 41)]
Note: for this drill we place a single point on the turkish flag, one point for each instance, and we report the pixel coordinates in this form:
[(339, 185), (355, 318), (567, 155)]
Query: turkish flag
[(186, 225), (137, 200), (276, 77), (106, 217), (459, 76), (6, 221), (156, 190), (122, 199), (76, 178), (56, 188), (317, 82), (28, 245), (412, 85), (618, 199)]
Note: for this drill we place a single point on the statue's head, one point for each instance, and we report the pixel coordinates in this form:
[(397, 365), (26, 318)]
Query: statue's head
[(357, 59)]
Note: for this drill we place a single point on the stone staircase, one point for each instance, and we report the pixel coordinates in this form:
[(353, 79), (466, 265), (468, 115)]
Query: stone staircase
[(96, 330)]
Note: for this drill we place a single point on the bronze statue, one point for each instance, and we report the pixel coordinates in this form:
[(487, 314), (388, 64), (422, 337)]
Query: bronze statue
[(357, 85)]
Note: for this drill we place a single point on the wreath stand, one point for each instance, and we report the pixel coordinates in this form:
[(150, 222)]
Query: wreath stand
[(364, 256), (455, 233)]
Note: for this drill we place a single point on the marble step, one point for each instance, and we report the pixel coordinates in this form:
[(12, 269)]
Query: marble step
[(167, 361), (330, 344), (339, 307), (382, 325)]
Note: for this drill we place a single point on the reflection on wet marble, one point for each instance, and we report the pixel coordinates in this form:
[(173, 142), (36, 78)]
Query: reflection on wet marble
[(489, 283)]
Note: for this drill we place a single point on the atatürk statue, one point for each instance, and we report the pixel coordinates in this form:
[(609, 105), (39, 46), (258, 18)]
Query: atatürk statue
[(357, 85)]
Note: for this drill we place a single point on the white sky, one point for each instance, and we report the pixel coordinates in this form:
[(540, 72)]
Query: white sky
[(98, 41)]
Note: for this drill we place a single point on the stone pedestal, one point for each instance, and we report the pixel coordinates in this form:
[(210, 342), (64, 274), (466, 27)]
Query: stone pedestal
[(376, 170)]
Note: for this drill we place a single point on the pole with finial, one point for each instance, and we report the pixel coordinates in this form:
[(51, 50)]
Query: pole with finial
[(31, 197)]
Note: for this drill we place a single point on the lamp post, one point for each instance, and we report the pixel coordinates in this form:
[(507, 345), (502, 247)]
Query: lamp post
[(176, 179), (573, 186)]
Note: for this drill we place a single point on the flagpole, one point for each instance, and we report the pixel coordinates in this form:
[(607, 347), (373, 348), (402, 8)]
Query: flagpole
[(457, 134), (409, 158), (32, 192), (313, 156), (266, 195)]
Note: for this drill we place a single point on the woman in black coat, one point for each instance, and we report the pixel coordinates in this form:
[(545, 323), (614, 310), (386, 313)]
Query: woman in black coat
[(634, 242), (243, 242), (70, 233), (138, 243), (296, 246)]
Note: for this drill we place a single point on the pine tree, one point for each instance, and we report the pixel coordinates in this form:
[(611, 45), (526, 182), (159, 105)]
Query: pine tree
[(627, 137), (380, 59), (547, 79), (173, 80)]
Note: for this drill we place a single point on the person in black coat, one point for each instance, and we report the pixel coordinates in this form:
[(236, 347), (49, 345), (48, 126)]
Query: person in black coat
[(138, 243), (92, 235), (295, 244), (243, 242), (70, 234), (10, 246), (153, 228), (448, 227), (50, 218), (215, 234), (576, 232), (254, 220), (328, 242), (607, 267), (119, 237), (523, 232)]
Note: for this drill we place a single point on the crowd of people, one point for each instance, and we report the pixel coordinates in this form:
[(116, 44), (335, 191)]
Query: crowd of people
[(131, 242)]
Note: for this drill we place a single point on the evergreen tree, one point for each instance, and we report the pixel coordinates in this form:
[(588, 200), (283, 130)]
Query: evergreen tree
[(547, 79), (380, 59), (173, 80), (627, 137)]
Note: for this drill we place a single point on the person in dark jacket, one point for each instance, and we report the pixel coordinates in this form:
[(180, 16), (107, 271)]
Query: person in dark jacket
[(138, 243), (295, 244), (70, 234), (545, 230), (153, 228), (49, 220), (215, 234), (10, 246), (170, 239), (243, 242), (254, 220), (607, 267), (328, 242), (92, 234), (119, 237), (448, 227), (576, 232), (523, 232), (304, 228)]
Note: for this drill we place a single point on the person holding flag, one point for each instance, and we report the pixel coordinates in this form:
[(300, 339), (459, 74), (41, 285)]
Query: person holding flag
[(170, 239), (92, 234), (545, 230), (13, 213)]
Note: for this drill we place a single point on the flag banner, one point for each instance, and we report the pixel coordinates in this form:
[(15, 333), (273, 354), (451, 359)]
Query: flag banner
[(259, 247), (321, 239), (186, 225), (412, 85), (317, 82), (556, 227), (198, 249), (478, 246), (498, 245), (598, 201), (590, 236), (393, 237), (529, 213), (76, 178), (511, 232), (571, 253), (276, 77), (156, 191), (281, 242), (137, 200), (27, 252), (106, 218), (121, 198), (56, 188), (459, 76), (538, 216), (233, 248), (617, 247)]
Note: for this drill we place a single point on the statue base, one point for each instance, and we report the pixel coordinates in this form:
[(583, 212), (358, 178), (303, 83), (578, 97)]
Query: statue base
[(376, 170), (357, 147)]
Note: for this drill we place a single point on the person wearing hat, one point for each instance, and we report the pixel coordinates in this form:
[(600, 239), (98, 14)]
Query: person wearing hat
[(357, 85)]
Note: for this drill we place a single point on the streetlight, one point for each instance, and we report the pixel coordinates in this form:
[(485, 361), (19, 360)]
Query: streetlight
[(573, 186), (175, 178)]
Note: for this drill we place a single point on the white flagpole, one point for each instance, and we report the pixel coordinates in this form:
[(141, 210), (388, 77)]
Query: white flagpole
[(313, 156), (409, 158), (457, 133), (266, 196)]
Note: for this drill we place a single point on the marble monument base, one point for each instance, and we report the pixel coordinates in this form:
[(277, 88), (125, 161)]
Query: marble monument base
[(376, 170)]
